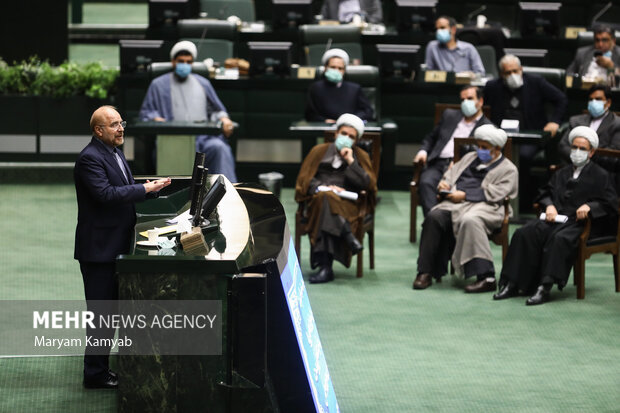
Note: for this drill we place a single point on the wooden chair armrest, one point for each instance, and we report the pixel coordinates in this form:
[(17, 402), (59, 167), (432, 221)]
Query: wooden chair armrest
[(417, 171), (362, 202)]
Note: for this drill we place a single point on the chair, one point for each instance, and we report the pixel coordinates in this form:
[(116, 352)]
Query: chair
[(318, 38), (366, 219), (589, 246), (222, 9), (213, 38), (557, 77), (489, 60), (417, 170)]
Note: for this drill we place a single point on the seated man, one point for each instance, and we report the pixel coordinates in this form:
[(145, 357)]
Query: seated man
[(451, 55), (437, 148), (603, 121), (181, 95), (346, 11), (329, 169), (541, 253), (330, 97), (523, 97), (473, 192), (596, 61)]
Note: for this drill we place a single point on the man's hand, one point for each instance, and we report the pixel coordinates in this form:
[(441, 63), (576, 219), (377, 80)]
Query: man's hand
[(582, 212), (552, 128), (605, 62), (159, 119), (227, 127), (156, 185), (443, 186), (421, 157), (347, 155), (456, 196), (551, 213)]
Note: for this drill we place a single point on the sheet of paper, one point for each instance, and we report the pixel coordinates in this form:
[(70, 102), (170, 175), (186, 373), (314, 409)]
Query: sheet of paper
[(342, 194), (560, 219), (184, 215)]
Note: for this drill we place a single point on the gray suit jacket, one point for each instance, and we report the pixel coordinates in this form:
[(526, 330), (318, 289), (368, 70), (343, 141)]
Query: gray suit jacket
[(608, 133), (584, 57), (373, 13)]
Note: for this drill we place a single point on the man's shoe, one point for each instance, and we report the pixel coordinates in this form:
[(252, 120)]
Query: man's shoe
[(323, 275), (113, 374), (107, 382), (482, 286), (354, 245), (507, 291), (422, 281), (541, 296)]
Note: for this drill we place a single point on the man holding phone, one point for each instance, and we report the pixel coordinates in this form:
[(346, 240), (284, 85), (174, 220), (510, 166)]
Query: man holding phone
[(596, 61)]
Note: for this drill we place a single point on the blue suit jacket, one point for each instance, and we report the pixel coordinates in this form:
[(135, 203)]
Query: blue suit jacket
[(536, 92), (106, 212)]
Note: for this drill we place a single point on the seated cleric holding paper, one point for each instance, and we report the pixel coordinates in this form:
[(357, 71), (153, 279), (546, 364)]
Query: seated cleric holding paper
[(330, 97), (182, 95), (542, 252), (329, 169)]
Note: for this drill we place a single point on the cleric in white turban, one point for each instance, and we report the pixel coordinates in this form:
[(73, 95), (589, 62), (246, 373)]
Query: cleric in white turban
[(584, 132), (472, 194), (349, 119)]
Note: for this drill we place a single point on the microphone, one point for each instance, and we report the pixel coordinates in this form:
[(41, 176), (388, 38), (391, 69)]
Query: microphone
[(600, 13), (473, 13)]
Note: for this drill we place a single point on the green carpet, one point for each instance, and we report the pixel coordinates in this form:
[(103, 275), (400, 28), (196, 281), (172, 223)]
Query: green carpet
[(388, 348)]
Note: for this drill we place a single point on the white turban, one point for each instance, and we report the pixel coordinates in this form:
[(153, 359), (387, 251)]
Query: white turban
[(335, 53), (353, 121), (584, 132), (184, 46), (491, 134)]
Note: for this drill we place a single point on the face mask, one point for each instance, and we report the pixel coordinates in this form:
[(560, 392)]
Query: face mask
[(607, 54), (596, 108), (343, 142), (443, 36), (183, 70), (484, 155), (333, 75), (468, 107), (514, 81), (578, 157)]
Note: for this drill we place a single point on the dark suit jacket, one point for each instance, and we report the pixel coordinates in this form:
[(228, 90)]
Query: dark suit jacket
[(371, 9), (608, 132), (434, 142), (106, 212), (584, 56), (536, 91), (326, 101)]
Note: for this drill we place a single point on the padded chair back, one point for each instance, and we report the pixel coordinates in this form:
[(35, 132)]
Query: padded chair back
[(217, 49), (222, 9), (207, 28), (557, 77), (489, 60), (368, 78), (316, 38)]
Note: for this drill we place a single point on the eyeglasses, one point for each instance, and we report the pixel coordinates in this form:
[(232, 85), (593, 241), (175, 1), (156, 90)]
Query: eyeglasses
[(117, 125)]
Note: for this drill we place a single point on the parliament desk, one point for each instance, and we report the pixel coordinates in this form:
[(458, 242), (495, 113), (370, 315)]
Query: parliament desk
[(271, 357)]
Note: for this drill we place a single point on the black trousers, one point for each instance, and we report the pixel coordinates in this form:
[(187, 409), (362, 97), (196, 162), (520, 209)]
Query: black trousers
[(541, 252), (437, 244), (100, 283), (429, 179)]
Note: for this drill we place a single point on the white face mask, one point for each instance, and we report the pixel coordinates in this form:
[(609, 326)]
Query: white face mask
[(514, 81), (578, 157)]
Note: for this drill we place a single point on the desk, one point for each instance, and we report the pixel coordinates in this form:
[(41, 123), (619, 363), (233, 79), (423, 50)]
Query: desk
[(174, 143)]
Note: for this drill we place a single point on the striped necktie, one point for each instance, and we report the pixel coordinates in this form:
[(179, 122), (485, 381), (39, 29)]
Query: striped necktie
[(120, 164)]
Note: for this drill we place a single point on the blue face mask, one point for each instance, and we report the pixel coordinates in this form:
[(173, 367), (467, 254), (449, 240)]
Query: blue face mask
[(443, 36), (468, 108), (596, 108), (343, 141), (183, 70), (484, 155), (607, 54), (333, 75)]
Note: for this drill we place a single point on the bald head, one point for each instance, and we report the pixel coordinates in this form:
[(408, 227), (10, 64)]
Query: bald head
[(107, 125)]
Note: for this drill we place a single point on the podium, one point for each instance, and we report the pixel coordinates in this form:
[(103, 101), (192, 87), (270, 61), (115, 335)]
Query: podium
[(271, 358)]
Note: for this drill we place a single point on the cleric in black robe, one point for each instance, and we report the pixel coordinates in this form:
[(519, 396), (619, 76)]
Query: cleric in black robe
[(331, 96), (542, 252)]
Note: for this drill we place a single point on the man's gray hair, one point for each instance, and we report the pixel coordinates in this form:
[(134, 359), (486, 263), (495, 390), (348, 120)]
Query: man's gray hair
[(507, 59)]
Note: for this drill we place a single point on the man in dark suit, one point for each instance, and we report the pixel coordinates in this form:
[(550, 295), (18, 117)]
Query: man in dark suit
[(437, 148), (106, 192), (597, 60)]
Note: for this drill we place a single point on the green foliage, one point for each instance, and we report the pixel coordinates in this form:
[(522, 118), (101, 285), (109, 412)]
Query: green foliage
[(34, 77)]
